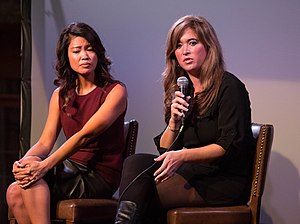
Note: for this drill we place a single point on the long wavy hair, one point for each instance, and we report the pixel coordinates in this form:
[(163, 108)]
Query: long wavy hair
[(66, 77), (212, 69)]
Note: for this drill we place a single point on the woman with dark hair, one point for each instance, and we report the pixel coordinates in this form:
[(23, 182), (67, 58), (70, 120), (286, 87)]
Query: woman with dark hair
[(89, 105), (207, 146)]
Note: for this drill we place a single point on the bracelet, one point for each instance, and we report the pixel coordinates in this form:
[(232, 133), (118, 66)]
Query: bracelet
[(172, 130)]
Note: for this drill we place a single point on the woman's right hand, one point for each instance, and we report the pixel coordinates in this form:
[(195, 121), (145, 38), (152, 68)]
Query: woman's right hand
[(22, 169), (179, 107)]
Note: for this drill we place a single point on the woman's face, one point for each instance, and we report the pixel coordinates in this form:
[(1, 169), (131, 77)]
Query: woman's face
[(82, 56), (190, 52)]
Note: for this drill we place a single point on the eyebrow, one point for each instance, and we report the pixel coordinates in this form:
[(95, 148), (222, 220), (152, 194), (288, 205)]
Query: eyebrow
[(80, 46), (77, 46), (193, 38)]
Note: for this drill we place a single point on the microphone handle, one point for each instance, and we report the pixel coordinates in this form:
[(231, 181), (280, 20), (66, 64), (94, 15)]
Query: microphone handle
[(183, 89)]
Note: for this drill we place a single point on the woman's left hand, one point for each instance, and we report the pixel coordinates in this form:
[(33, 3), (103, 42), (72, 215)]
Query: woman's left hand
[(36, 172), (172, 160)]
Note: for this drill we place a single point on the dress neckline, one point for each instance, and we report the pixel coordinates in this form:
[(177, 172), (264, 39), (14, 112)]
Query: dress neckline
[(83, 95)]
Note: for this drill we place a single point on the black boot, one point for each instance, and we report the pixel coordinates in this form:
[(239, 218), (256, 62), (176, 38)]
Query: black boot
[(126, 213)]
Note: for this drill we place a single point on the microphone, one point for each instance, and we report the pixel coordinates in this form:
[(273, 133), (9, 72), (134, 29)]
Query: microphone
[(183, 83)]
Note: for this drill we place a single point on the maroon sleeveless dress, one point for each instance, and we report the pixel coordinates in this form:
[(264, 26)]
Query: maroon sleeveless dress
[(104, 154)]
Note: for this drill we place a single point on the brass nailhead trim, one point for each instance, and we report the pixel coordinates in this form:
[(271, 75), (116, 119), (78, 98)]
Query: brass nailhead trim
[(259, 159)]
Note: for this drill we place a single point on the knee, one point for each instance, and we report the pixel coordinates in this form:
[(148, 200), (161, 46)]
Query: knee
[(138, 161), (13, 195)]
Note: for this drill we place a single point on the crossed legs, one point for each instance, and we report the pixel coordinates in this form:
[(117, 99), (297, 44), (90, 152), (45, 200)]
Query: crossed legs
[(31, 205)]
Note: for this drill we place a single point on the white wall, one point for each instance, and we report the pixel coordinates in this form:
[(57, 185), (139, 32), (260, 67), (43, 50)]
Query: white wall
[(261, 46)]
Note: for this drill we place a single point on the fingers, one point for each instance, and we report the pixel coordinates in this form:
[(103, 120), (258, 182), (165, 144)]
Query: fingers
[(165, 171), (182, 99), (22, 173), (172, 160), (162, 167), (21, 170), (178, 109), (21, 177), (179, 106), (160, 158), (25, 172), (28, 182), (159, 171), (17, 167), (23, 181)]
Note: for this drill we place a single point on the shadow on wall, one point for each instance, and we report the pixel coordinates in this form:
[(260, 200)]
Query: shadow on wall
[(281, 192), (265, 218)]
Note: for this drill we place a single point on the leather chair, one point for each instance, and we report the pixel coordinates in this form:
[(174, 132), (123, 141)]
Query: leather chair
[(74, 211), (243, 214)]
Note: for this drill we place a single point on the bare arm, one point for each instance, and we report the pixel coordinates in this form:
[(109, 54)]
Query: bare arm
[(51, 130), (22, 168), (109, 111)]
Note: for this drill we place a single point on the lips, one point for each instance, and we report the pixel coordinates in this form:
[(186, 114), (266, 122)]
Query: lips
[(187, 60), (85, 65)]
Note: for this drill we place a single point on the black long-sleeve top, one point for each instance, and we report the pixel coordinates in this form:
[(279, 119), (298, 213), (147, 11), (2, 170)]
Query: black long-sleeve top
[(228, 124)]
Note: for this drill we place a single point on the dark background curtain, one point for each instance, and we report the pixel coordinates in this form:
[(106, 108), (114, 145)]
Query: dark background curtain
[(15, 90), (26, 53)]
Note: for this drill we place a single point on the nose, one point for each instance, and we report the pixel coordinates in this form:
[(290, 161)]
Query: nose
[(84, 55), (186, 49)]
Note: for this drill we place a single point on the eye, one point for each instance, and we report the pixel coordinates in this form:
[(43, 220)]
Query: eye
[(193, 42), (178, 46), (90, 49)]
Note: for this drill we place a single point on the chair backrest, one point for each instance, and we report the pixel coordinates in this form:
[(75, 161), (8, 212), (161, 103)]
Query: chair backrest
[(130, 135), (263, 133)]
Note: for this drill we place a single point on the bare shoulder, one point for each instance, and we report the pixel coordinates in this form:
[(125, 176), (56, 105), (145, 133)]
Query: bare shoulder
[(119, 89), (56, 91), (55, 94), (55, 97)]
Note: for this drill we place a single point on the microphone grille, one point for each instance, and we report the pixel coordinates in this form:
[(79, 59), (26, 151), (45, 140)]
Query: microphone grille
[(182, 81)]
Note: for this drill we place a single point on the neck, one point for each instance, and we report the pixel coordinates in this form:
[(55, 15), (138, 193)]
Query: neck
[(84, 87)]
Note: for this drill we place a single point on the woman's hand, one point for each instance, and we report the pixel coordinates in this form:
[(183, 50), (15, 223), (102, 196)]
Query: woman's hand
[(28, 170), (21, 173), (179, 107), (172, 160)]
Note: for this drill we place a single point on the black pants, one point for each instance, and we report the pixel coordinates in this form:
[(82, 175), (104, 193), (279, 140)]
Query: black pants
[(153, 200)]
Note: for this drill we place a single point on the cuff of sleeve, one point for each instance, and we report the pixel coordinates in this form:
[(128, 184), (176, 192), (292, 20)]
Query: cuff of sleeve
[(226, 139)]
